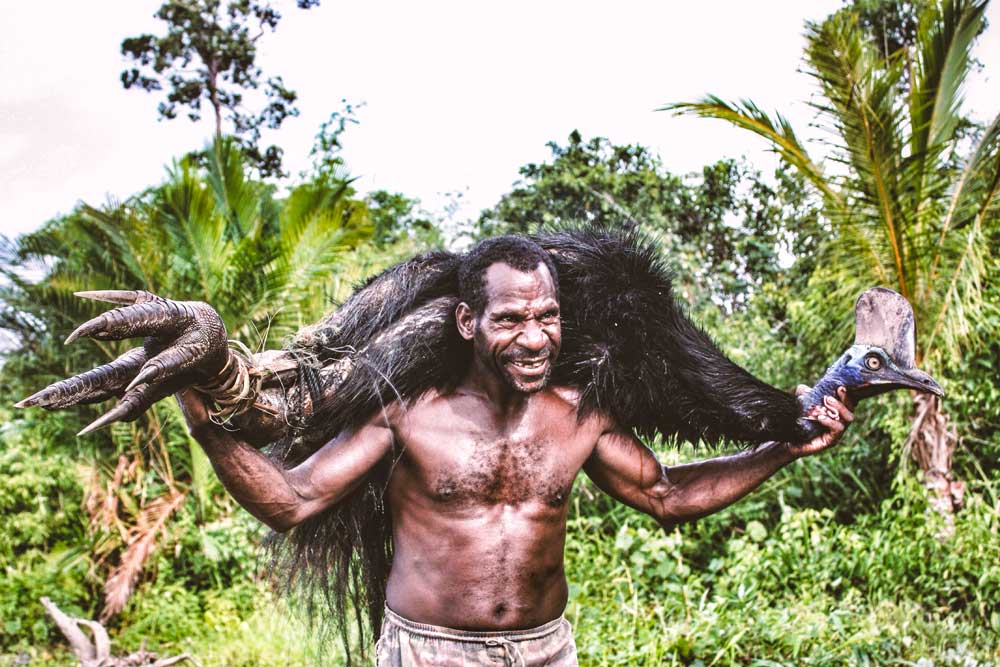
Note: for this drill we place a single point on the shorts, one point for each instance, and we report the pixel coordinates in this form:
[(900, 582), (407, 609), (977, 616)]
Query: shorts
[(404, 643)]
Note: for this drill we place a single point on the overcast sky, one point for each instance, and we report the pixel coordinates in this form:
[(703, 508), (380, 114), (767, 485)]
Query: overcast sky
[(457, 95)]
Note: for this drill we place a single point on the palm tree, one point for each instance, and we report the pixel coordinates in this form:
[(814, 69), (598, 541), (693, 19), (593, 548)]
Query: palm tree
[(209, 233), (908, 190)]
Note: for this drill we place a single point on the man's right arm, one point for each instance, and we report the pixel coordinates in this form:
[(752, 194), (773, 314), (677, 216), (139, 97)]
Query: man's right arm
[(284, 498)]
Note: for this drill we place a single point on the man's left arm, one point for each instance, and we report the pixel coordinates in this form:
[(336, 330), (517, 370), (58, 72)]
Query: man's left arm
[(627, 470)]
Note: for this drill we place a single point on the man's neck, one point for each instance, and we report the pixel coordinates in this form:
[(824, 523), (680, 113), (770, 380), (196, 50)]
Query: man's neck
[(482, 380)]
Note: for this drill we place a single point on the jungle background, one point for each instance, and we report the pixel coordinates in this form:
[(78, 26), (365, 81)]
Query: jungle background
[(883, 551)]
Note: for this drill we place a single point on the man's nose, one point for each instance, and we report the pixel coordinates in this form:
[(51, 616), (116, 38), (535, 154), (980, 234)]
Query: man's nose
[(532, 337)]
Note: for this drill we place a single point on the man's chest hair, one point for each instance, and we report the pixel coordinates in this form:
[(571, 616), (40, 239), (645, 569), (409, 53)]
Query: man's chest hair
[(462, 462)]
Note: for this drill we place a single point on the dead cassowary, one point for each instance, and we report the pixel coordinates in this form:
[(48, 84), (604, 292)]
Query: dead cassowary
[(627, 347)]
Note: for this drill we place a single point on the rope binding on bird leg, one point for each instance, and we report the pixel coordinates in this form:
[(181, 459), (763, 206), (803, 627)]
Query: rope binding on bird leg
[(235, 388)]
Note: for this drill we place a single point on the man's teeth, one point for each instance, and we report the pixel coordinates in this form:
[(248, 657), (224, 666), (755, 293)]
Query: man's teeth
[(530, 365)]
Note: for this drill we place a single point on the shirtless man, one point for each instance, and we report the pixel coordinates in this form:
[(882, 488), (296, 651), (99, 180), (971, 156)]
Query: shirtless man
[(481, 491)]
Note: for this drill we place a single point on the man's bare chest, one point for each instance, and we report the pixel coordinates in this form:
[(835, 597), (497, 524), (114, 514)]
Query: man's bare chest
[(461, 462)]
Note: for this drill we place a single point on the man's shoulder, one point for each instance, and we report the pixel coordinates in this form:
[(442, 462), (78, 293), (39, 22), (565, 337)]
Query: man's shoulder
[(565, 393), (573, 398)]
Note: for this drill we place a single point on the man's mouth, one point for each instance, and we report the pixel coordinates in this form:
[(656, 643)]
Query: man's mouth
[(529, 366)]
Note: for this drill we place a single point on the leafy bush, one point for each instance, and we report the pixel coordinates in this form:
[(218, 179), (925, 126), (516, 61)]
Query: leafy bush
[(790, 585), (42, 529)]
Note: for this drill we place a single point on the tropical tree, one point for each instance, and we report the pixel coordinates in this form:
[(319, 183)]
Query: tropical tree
[(210, 233), (909, 191), (209, 55)]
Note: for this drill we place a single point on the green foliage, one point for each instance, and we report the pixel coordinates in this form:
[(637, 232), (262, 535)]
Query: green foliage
[(892, 24), (910, 206), (728, 231), (42, 528), (209, 54), (787, 586)]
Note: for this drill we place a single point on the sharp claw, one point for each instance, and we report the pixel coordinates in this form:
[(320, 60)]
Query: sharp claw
[(35, 399), (132, 404), (94, 385), (149, 318), (124, 297), (145, 375), (111, 415), (88, 328)]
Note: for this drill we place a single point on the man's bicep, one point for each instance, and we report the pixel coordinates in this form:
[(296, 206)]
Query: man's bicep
[(628, 471), (340, 465)]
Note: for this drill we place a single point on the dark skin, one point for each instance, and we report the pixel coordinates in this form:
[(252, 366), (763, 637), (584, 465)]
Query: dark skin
[(481, 492)]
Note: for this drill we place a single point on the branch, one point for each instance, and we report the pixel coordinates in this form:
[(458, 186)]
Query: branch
[(82, 647)]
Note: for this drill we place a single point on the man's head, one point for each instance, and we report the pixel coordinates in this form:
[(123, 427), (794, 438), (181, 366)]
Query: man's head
[(509, 308)]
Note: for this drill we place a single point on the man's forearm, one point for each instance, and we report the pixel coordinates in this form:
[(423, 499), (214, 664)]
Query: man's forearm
[(698, 489), (254, 481)]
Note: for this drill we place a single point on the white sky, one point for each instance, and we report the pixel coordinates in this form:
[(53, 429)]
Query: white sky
[(458, 95)]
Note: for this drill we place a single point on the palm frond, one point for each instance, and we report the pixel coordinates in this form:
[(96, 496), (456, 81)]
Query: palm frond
[(140, 542), (962, 258), (859, 91), (778, 132), (941, 65)]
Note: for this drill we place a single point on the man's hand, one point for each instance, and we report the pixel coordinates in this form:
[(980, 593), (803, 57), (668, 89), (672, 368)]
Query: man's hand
[(185, 344), (834, 414)]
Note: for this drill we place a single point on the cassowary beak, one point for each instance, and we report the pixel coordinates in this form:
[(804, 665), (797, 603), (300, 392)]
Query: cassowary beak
[(893, 377)]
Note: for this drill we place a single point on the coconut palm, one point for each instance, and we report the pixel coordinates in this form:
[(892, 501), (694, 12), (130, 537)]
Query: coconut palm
[(909, 192)]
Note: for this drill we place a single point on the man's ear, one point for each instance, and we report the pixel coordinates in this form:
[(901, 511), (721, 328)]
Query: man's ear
[(465, 319)]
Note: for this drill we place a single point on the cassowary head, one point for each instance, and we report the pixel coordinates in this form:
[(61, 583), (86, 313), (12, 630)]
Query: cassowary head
[(883, 355), (869, 370)]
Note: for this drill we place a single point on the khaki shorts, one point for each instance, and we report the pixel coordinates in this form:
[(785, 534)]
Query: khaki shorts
[(404, 643)]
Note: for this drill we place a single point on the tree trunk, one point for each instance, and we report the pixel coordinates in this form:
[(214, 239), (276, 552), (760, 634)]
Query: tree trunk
[(213, 95), (932, 444)]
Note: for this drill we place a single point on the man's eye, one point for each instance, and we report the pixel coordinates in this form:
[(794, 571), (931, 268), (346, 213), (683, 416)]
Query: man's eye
[(550, 316)]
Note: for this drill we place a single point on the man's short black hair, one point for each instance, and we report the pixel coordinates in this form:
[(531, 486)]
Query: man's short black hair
[(518, 252)]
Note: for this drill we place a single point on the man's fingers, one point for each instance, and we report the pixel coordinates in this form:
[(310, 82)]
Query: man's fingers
[(122, 297), (94, 385), (150, 318), (841, 410), (844, 398), (835, 426)]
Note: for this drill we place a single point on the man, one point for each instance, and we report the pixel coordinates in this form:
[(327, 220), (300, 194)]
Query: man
[(480, 491)]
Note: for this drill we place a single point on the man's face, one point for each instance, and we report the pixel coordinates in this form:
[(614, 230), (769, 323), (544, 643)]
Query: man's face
[(518, 334)]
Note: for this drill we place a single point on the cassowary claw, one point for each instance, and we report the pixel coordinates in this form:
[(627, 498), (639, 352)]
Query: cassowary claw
[(171, 361), (189, 335), (96, 384), (130, 407), (148, 318), (123, 297), (105, 419)]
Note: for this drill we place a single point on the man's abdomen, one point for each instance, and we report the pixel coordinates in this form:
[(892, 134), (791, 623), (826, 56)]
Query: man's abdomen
[(497, 567)]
